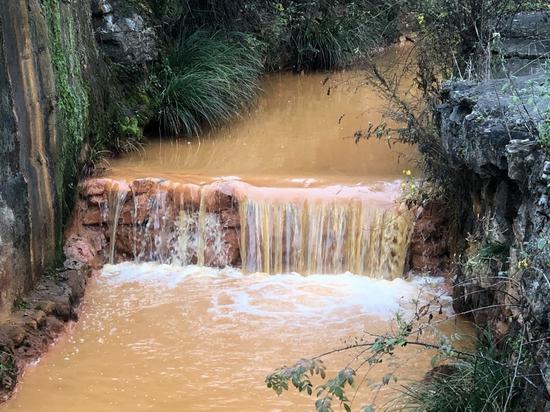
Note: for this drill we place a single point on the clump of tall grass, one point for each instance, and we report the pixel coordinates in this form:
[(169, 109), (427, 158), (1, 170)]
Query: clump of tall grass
[(299, 34), (489, 380), (329, 35), (207, 79)]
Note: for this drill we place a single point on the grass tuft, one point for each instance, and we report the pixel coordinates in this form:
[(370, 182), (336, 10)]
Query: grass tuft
[(207, 79), (485, 381)]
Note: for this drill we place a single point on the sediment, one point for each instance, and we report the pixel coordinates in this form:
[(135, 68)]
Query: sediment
[(37, 321)]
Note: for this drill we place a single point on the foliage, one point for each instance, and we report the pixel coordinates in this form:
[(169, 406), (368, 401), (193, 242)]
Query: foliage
[(326, 35), (486, 253), (533, 103), (487, 381), (8, 369), (20, 304), (371, 352), (487, 377), (544, 93), (129, 135), (207, 79), (458, 39), (299, 34), (544, 135)]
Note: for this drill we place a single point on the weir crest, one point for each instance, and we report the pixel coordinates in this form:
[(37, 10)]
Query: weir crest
[(330, 230)]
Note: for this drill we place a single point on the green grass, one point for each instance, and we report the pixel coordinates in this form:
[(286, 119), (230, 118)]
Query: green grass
[(482, 382), (207, 79), (323, 35), (299, 34)]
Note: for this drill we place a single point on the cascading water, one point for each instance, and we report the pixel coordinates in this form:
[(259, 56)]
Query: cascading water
[(324, 237), (117, 197), (159, 323), (311, 231)]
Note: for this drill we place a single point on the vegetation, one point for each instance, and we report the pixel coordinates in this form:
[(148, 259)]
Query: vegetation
[(8, 370), (491, 380), (453, 40), (207, 79), (72, 101), (298, 34), (20, 304), (543, 93), (491, 377), (485, 254), (544, 135)]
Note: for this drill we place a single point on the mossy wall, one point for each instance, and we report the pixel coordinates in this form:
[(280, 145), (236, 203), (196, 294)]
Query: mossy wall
[(51, 85), (68, 56)]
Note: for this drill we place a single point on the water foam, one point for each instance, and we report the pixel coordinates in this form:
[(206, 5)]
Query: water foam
[(283, 297)]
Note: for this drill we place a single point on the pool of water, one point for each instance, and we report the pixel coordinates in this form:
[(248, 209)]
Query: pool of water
[(300, 132), (165, 338)]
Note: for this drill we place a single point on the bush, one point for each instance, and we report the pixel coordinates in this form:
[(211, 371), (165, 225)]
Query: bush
[(299, 34), (544, 135), (207, 79), (327, 35), (490, 381)]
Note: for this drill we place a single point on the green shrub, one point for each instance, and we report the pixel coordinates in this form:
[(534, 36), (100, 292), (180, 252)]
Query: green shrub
[(299, 34), (490, 381), (544, 135), (8, 370), (207, 79), (328, 35), (544, 128)]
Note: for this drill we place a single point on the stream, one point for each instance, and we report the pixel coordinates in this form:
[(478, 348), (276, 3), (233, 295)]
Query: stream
[(323, 249)]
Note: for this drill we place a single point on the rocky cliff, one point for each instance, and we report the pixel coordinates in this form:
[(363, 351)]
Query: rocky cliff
[(48, 70), (491, 135)]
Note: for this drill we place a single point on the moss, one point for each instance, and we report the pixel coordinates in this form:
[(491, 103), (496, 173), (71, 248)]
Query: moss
[(72, 101)]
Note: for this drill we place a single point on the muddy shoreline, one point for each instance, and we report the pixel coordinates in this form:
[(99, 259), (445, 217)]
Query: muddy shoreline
[(37, 322)]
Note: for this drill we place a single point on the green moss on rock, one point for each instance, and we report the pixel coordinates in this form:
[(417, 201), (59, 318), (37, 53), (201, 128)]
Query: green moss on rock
[(72, 97)]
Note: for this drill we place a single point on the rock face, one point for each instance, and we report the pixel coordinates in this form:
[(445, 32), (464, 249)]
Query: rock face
[(524, 42), (429, 244), (124, 35), (154, 220), (36, 322), (28, 204), (49, 77), (489, 134)]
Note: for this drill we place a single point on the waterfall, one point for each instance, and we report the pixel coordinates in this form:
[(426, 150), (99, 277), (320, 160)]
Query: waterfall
[(324, 237), (116, 200), (358, 230)]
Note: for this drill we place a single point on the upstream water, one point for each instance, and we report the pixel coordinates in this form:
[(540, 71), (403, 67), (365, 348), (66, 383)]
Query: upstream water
[(301, 133), (170, 336)]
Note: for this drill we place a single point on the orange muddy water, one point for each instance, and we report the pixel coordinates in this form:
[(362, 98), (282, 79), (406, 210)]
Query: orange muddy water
[(165, 338), (301, 132)]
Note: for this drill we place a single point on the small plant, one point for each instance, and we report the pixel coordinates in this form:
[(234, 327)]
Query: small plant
[(129, 127), (299, 34), (94, 159), (484, 378), (409, 185), (21, 304), (486, 253), (8, 370), (544, 135)]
